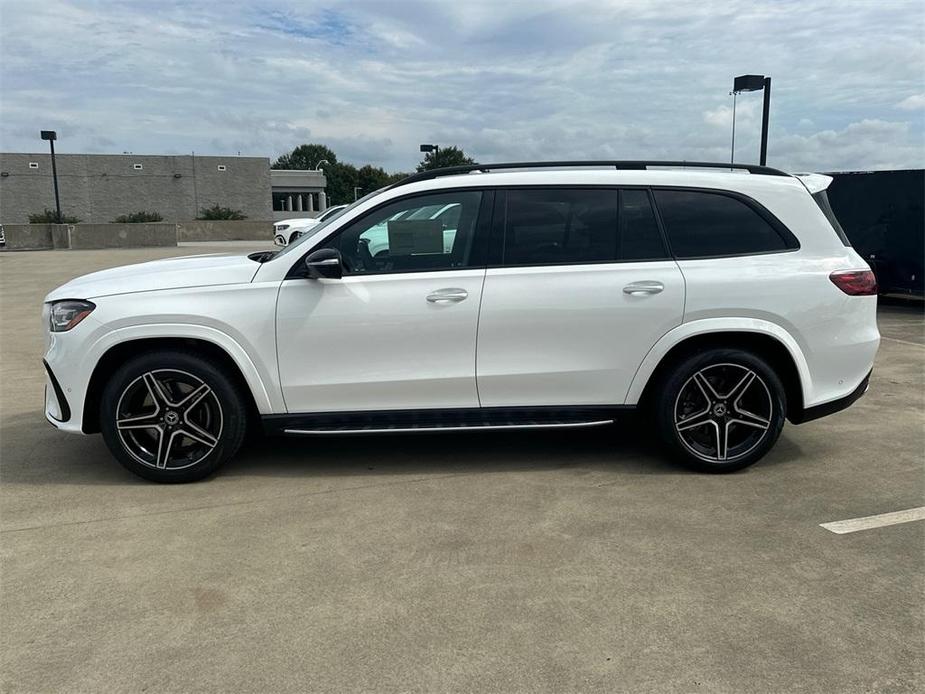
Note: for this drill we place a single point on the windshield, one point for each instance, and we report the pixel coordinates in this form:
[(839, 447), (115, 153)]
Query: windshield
[(313, 231)]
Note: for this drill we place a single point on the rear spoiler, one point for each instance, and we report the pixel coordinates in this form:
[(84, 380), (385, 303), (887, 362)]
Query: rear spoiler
[(814, 182)]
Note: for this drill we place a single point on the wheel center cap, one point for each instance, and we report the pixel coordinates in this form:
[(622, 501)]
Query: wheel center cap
[(719, 409), (171, 418)]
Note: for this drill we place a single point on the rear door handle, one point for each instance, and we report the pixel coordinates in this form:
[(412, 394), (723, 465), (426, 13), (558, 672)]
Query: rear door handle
[(645, 287), (450, 295)]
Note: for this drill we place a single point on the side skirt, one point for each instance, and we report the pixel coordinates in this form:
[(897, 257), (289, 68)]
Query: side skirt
[(458, 419)]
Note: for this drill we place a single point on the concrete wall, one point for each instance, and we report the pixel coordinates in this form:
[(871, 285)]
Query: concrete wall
[(225, 231), (83, 236), (32, 237), (97, 188)]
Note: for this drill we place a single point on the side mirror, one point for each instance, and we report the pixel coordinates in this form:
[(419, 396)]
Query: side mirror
[(325, 262)]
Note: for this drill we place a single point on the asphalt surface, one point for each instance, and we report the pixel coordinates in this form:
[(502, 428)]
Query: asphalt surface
[(551, 561)]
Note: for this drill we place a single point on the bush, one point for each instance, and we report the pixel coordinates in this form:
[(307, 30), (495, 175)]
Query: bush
[(218, 212), (51, 217), (138, 218)]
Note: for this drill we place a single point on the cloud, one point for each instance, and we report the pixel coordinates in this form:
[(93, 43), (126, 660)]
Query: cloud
[(916, 102), (518, 80)]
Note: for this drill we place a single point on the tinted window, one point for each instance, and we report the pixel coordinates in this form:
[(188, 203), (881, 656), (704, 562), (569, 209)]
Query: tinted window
[(703, 224), (428, 232), (567, 226), (823, 201), (639, 235)]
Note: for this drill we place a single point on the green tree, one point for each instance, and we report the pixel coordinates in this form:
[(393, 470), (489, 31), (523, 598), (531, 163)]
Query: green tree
[(47, 216), (345, 182), (445, 156), (217, 212), (305, 157), (138, 218)]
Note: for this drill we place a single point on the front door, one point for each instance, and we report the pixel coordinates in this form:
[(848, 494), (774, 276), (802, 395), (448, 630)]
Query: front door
[(398, 330)]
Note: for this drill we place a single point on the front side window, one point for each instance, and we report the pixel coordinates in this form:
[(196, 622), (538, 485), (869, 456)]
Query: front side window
[(702, 224), (572, 225), (423, 233)]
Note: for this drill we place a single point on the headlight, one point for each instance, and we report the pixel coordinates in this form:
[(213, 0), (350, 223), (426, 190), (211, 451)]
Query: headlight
[(282, 227), (65, 314)]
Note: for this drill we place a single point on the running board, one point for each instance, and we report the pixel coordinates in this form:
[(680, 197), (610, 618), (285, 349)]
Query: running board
[(448, 427), (449, 419)]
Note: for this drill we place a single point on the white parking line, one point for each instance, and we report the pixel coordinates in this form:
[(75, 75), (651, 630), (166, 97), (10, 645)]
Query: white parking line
[(852, 525)]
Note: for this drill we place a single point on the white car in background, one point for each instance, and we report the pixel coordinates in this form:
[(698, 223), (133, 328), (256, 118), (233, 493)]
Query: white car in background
[(288, 230)]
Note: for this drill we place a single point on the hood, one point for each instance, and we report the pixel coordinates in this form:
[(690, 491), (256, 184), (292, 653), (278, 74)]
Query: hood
[(170, 273)]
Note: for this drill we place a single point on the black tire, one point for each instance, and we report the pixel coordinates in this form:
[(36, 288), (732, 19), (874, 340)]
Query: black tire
[(178, 399), (697, 403), (294, 236)]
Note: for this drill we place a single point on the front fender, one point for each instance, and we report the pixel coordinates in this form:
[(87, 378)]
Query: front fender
[(261, 383)]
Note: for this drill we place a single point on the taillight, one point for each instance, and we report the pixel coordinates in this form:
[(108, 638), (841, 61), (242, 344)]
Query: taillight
[(855, 282)]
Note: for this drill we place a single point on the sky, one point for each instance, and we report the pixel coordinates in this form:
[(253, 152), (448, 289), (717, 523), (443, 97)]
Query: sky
[(506, 81)]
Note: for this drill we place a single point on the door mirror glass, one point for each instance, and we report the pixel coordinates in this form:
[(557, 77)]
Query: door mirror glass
[(324, 262)]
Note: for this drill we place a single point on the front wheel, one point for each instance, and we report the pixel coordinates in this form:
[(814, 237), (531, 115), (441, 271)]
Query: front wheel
[(720, 410), (172, 416)]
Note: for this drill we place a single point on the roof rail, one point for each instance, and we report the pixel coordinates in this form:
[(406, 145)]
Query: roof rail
[(617, 164)]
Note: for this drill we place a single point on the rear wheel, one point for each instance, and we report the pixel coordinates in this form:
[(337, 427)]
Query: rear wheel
[(720, 410), (171, 416)]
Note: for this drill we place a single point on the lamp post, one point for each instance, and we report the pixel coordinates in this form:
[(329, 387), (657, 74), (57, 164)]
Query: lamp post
[(356, 190), (754, 83), (431, 148), (51, 136), (318, 165)]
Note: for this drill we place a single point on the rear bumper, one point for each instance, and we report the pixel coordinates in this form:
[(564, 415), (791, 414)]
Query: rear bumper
[(833, 406)]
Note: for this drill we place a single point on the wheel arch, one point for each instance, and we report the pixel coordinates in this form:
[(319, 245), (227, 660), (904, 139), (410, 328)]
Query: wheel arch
[(119, 353), (791, 369)]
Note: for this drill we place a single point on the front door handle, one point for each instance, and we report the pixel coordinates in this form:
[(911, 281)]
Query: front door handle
[(645, 287), (450, 295)]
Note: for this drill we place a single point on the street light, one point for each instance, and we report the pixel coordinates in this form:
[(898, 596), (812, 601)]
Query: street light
[(318, 165), (51, 136), (431, 148), (754, 83), (356, 190)]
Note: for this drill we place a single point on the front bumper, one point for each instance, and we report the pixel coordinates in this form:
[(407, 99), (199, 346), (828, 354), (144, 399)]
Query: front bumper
[(57, 408)]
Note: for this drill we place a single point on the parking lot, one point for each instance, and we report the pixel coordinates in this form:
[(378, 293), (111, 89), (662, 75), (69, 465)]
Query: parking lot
[(552, 561)]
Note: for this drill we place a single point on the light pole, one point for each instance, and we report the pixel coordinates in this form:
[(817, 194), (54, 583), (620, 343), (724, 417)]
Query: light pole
[(318, 165), (754, 83), (51, 136), (356, 190), (431, 148)]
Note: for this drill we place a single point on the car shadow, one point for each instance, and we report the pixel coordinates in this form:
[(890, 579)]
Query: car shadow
[(45, 456)]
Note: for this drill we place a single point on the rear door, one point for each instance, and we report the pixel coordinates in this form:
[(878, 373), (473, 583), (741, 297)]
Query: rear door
[(582, 287)]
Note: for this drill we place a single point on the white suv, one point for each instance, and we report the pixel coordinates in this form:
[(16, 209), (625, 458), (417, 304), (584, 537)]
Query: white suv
[(485, 297), (286, 231)]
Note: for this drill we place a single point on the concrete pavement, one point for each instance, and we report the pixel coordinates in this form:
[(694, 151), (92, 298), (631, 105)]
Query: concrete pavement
[(551, 561)]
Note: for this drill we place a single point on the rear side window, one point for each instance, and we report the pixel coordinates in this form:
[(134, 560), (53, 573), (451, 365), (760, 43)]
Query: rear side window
[(823, 201), (702, 224), (572, 225)]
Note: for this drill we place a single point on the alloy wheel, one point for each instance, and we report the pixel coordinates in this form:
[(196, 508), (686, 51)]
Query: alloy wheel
[(723, 412), (169, 419)]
